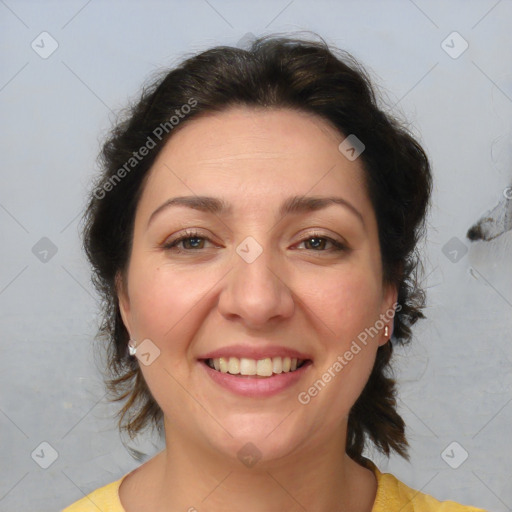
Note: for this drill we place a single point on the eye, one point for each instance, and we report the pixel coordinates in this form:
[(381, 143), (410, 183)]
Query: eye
[(190, 241), (194, 241), (318, 243)]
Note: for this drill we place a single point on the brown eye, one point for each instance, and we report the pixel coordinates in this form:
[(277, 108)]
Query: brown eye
[(188, 242), (318, 244), (193, 242)]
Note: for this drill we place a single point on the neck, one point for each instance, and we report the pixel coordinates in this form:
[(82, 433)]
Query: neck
[(188, 477)]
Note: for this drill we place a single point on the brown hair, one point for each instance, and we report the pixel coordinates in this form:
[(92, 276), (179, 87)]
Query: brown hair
[(275, 72)]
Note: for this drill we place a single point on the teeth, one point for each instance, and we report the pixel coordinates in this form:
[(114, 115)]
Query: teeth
[(277, 365), (234, 365), (247, 366), (261, 367), (223, 364), (264, 367)]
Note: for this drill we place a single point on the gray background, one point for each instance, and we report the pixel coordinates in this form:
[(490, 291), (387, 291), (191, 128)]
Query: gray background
[(456, 378)]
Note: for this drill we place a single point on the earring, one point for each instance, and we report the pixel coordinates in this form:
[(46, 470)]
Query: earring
[(386, 331), (132, 349)]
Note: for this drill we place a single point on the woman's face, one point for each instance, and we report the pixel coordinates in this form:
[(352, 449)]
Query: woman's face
[(270, 270)]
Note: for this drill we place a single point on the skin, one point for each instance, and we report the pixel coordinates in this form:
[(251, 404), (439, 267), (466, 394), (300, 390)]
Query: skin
[(294, 294)]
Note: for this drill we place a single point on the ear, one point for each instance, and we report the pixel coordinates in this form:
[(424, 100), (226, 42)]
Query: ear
[(123, 301), (389, 304)]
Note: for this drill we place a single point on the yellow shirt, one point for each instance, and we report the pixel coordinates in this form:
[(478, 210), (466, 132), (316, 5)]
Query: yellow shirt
[(392, 496)]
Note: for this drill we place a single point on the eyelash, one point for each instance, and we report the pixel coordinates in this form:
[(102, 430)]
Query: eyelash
[(173, 245)]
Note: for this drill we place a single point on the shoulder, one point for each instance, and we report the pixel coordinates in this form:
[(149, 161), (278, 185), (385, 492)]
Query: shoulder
[(105, 498), (392, 494)]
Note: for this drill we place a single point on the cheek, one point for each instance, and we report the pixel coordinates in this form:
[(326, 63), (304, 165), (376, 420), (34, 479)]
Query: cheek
[(162, 300), (164, 305), (346, 301), (346, 305)]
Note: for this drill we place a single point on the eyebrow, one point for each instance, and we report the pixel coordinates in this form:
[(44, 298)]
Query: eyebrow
[(292, 205)]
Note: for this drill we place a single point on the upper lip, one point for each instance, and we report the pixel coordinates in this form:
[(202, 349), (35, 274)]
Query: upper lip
[(252, 352)]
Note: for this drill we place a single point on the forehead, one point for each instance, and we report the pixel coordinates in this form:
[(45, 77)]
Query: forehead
[(252, 155)]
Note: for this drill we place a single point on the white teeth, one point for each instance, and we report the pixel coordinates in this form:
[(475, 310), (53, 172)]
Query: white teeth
[(277, 364), (234, 365), (223, 364), (247, 366), (264, 367), (261, 367)]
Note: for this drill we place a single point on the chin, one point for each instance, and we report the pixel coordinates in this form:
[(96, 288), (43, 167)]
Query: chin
[(260, 438)]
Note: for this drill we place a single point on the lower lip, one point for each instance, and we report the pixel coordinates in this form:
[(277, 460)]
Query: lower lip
[(256, 387)]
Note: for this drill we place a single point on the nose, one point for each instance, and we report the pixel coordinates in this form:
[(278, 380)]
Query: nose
[(255, 294)]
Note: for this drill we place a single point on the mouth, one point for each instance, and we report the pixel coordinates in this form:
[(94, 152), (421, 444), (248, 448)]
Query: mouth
[(255, 368)]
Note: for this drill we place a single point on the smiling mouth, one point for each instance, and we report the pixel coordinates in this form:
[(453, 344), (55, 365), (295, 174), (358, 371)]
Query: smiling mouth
[(245, 367)]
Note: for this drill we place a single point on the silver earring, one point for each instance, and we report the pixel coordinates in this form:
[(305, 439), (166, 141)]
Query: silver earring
[(132, 349), (386, 331)]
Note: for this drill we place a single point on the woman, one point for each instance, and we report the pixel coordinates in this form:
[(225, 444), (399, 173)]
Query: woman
[(253, 236)]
